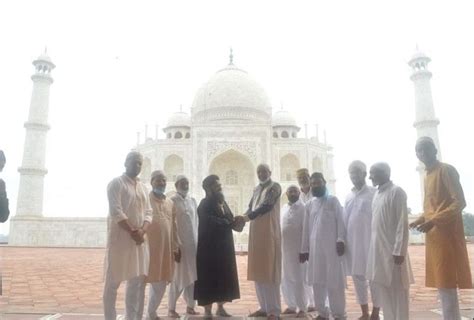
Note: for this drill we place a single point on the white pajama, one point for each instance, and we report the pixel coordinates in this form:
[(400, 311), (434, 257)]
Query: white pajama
[(156, 293), (309, 296), (175, 292), (449, 303), (395, 298), (336, 297), (361, 286), (268, 295), (294, 294), (133, 298)]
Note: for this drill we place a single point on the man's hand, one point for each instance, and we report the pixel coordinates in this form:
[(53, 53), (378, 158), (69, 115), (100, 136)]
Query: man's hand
[(304, 257), (417, 222), (425, 227), (340, 248), (238, 224), (177, 256), (138, 235), (398, 260)]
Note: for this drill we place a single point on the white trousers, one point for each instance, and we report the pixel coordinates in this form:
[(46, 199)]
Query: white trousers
[(361, 286), (268, 295), (449, 303), (309, 295), (155, 295), (337, 301), (175, 292), (394, 299), (134, 297), (294, 293)]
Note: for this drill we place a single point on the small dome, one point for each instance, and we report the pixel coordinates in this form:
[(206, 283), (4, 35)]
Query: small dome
[(179, 119), (283, 118)]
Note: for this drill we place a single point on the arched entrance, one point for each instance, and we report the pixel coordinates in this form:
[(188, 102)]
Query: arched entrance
[(237, 175)]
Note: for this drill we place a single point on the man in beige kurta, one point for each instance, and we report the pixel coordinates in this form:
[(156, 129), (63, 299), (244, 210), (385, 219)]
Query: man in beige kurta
[(127, 256), (447, 261), (163, 242), (264, 250)]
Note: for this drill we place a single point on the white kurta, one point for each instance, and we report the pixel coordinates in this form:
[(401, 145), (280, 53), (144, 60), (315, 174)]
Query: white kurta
[(323, 227), (187, 221), (293, 272), (358, 223), (128, 199), (389, 236), (306, 197)]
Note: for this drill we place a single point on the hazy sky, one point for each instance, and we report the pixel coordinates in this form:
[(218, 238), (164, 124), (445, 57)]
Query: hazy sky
[(341, 64)]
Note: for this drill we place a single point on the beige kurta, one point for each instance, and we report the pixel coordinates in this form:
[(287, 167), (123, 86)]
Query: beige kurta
[(447, 262), (162, 239), (264, 250), (124, 259)]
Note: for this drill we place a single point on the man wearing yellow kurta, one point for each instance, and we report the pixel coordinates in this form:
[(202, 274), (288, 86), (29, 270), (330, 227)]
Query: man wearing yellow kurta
[(163, 242), (447, 262), (126, 256), (264, 251)]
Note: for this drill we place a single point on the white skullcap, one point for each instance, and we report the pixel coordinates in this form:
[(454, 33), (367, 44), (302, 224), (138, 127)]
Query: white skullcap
[(292, 186), (180, 177), (357, 164), (157, 173)]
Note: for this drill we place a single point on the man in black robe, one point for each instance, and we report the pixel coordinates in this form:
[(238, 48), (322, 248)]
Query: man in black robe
[(217, 279)]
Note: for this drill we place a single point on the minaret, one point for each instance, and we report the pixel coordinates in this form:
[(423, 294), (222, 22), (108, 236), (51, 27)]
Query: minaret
[(33, 168), (426, 123)]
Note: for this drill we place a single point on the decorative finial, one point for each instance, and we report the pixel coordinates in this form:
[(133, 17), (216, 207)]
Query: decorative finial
[(180, 108), (45, 49), (281, 105), (417, 49), (231, 56)]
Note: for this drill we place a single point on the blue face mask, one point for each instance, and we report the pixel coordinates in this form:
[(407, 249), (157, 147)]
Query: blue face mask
[(159, 190)]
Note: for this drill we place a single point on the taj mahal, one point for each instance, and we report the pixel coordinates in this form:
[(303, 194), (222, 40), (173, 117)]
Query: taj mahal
[(232, 127)]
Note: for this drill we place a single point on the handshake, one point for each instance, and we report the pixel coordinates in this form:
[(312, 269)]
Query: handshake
[(239, 223)]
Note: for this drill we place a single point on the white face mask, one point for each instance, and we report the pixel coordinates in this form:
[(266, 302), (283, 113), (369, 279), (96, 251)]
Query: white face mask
[(184, 193)]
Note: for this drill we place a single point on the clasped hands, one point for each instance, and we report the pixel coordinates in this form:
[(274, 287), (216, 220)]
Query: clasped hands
[(239, 223), (138, 235)]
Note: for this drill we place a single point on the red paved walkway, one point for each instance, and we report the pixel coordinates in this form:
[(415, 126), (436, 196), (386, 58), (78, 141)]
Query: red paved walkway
[(50, 280)]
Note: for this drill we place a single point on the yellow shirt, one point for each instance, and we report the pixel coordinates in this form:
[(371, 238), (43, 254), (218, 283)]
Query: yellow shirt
[(447, 262)]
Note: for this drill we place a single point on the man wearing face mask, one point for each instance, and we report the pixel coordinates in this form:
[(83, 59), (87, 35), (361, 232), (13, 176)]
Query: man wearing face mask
[(264, 249), (163, 241), (185, 271), (293, 272), (323, 247)]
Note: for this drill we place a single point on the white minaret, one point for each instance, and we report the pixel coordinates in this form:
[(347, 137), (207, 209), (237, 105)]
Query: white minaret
[(33, 168), (426, 123)]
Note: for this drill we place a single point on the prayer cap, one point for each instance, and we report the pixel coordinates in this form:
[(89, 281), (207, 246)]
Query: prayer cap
[(291, 186), (302, 172), (157, 173), (318, 175), (357, 164), (180, 177)]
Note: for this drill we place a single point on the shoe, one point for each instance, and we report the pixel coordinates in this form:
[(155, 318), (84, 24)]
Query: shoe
[(191, 311), (289, 311), (311, 309), (321, 318), (374, 317), (301, 314), (222, 313), (173, 314), (258, 314), (364, 317)]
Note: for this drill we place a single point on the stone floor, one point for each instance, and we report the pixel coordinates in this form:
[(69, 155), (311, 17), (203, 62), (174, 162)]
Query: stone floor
[(66, 283)]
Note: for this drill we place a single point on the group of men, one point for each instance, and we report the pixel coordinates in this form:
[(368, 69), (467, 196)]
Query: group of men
[(307, 253)]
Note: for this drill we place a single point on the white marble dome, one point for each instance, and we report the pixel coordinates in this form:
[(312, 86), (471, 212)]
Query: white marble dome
[(179, 119), (231, 93), (283, 118)]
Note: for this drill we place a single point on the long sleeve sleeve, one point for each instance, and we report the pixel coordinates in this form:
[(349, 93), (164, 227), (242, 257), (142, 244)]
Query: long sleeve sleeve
[(148, 211), (341, 229), (400, 213), (306, 230), (271, 198), (115, 201), (455, 197), (176, 241)]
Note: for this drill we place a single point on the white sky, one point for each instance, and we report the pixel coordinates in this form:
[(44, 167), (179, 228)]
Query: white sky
[(341, 64)]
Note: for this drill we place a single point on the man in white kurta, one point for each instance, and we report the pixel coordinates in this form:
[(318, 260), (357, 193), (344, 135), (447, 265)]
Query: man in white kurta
[(293, 272), (388, 266), (305, 196), (127, 255), (323, 247), (185, 271), (358, 222)]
